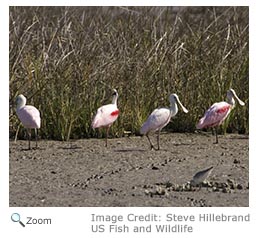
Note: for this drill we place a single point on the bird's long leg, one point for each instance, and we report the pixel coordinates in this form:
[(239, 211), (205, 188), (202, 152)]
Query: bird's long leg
[(158, 140), (36, 137), (107, 129), (151, 145), (17, 132), (200, 186), (29, 137), (216, 131)]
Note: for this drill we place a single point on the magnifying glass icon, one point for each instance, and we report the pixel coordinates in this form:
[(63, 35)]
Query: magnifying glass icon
[(16, 218)]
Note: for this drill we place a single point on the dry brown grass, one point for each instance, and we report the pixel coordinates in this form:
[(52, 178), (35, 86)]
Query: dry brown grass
[(66, 59)]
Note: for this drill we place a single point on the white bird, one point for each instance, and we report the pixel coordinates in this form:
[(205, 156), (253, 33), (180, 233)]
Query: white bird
[(106, 115), (200, 176), (28, 115), (160, 117)]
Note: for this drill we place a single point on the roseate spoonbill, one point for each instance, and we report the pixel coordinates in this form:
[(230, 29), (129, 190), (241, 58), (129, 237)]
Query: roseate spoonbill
[(218, 112), (106, 115), (29, 116), (160, 117), (200, 176)]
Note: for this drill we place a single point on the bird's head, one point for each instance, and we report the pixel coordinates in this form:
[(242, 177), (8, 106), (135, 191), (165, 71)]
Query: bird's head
[(115, 92), (175, 99), (20, 101), (231, 94)]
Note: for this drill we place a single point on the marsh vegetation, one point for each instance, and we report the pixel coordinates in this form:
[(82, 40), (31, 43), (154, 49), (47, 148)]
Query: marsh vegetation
[(65, 60)]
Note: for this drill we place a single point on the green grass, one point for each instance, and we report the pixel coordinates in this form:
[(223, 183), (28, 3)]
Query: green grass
[(66, 59)]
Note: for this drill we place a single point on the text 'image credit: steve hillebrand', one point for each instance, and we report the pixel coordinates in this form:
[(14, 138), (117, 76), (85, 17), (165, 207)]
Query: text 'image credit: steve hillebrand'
[(151, 222)]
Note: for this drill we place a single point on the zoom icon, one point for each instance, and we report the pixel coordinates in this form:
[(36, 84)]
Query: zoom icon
[(15, 217)]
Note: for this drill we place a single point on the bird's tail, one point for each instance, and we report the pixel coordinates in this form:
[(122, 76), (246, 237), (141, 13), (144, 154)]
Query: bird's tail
[(144, 129), (94, 123), (200, 124)]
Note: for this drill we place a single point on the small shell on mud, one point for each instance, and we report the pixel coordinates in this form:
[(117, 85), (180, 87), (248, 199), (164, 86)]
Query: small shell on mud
[(215, 189), (226, 190), (239, 186), (236, 161), (161, 191)]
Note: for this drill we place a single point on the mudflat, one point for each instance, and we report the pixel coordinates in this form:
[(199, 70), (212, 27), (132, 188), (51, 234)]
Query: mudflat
[(84, 173)]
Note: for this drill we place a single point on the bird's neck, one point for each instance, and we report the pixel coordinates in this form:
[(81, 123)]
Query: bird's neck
[(173, 109), (231, 101), (20, 105), (114, 100)]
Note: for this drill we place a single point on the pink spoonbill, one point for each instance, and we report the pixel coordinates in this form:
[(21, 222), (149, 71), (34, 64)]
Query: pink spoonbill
[(106, 115), (218, 112), (160, 117), (29, 116)]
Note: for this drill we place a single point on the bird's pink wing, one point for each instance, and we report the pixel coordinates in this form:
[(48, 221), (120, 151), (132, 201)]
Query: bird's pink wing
[(29, 117), (158, 119), (215, 115), (105, 116)]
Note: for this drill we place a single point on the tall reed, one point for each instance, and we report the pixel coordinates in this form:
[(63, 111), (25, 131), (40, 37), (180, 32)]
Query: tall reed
[(66, 59)]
